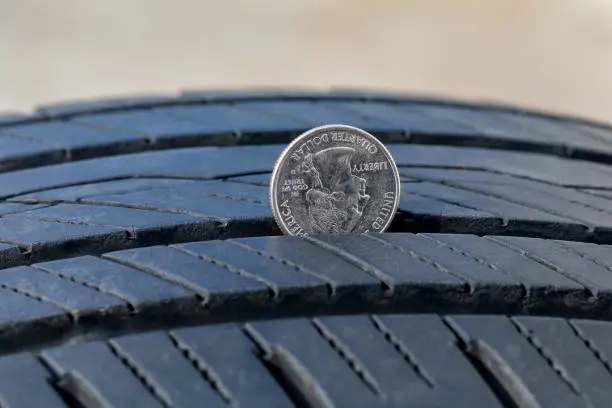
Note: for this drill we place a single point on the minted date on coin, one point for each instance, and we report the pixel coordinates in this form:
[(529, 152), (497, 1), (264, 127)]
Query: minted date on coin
[(334, 179)]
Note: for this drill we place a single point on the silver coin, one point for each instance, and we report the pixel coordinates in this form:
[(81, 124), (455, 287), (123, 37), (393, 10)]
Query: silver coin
[(334, 179)]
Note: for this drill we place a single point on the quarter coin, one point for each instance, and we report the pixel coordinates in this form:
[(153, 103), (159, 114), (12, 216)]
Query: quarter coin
[(334, 179)]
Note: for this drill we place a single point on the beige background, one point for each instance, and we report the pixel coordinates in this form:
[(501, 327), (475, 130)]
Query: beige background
[(553, 54)]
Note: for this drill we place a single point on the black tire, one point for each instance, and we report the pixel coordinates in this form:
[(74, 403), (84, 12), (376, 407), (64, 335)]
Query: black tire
[(142, 266)]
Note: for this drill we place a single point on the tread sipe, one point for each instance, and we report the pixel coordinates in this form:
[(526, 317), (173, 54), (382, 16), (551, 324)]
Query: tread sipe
[(141, 265)]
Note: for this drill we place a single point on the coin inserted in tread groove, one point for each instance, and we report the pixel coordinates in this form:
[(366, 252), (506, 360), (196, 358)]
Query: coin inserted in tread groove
[(334, 179)]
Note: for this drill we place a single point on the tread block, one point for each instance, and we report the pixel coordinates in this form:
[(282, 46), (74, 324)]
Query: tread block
[(400, 267), (524, 359), (101, 215), (596, 278), (112, 380), (211, 162), (403, 117), (14, 148), (568, 194), (429, 205), (555, 170), (478, 272), (148, 123), (204, 162), (12, 208), (469, 199), (255, 179), (26, 230), (179, 201), (18, 307), (582, 368), (224, 189), (450, 175), (318, 358), (26, 383), (235, 364), (71, 295), (98, 105), (596, 336), (274, 272), (313, 114), (313, 258), (544, 202), (530, 273), (383, 367), (137, 287), (71, 136), (450, 372), (74, 193), (177, 266), (178, 380), (232, 118), (518, 127), (599, 254)]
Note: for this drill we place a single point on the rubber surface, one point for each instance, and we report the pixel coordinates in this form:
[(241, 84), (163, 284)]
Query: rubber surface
[(141, 265)]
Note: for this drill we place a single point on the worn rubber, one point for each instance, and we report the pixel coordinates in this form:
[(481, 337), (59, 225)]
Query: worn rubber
[(141, 266)]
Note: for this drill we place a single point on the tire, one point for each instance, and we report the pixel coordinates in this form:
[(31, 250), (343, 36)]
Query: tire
[(143, 268)]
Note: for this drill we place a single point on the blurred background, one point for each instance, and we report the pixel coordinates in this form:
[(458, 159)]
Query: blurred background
[(551, 54)]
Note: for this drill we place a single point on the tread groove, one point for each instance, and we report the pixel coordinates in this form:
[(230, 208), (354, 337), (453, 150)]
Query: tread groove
[(42, 299), (298, 383), (404, 351), (272, 287), (548, 356), (387, 282), (473, 138), (76, 222), (129, 305), (469, 283), (202, 295), (588, 287), (504, 220), (331, 285), (146, 379), (507, 385), (525, 204), (582, 255), (524, 288), (349, 358), (78, 392), (205, 370), (147, 207), (599, 355)]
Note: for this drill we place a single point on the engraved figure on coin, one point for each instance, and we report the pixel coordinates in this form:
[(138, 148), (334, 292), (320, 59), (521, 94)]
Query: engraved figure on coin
[(336, 198)]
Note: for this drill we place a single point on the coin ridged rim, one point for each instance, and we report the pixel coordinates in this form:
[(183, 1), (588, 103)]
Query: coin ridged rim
[(281, 157)]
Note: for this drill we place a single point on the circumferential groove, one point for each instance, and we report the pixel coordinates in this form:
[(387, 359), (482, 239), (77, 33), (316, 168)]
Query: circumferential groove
[(298, 383), (505, 383), (77, 392), (497, 373)]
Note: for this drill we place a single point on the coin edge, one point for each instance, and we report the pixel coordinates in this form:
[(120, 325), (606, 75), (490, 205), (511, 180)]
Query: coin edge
[(281, 157)]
